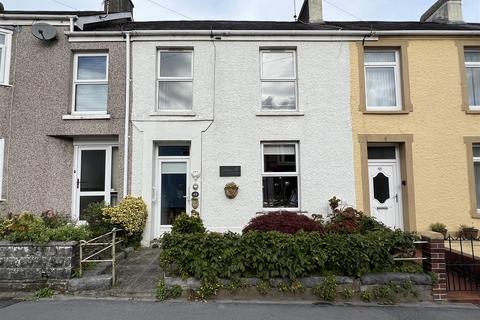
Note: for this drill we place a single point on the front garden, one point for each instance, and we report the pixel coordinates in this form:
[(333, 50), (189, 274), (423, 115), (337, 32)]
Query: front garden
[(287, 253), (39, 251)]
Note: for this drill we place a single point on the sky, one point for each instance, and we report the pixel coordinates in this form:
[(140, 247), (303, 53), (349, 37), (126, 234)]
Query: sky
[(282, 10)]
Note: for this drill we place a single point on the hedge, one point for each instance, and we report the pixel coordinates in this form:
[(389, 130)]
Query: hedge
[(266, 255)]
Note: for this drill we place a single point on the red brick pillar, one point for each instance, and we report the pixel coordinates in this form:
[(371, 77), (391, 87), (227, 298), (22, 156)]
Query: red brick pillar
[(434, 251)]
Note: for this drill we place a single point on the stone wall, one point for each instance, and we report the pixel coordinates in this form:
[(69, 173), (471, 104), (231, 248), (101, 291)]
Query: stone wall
[(33, 262), (421, 287)]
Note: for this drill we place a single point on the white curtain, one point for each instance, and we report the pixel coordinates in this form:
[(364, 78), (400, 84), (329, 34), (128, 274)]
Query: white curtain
[(477, 182), (473, 79), (279, 149), (381, 91)]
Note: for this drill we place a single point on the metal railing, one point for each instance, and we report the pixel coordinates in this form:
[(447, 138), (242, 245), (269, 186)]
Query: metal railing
[(462, 261), (99, 248)]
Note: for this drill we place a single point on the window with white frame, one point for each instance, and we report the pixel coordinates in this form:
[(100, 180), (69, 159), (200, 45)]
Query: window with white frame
[(90, 83), (472, 65), (278, 80), (383, 80), (5, 43), (280, 175), (476, 170), (175, 80), (2, 149)]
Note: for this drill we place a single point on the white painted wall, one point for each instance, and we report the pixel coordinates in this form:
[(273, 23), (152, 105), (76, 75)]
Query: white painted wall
[(323, 131)]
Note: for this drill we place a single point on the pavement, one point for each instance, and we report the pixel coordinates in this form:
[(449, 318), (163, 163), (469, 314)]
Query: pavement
[(123, 309)]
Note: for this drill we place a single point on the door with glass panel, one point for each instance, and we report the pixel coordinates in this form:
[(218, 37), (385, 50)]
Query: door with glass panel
[(95, 178), (173, 182), (385, 186)]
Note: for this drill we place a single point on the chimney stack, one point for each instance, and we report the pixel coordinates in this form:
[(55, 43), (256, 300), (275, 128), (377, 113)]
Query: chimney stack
[(116, 6), (444, 11), (311, 12), (2, 8)]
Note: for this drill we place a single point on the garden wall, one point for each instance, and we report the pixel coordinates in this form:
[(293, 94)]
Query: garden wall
[(420, 287), (28, 265)]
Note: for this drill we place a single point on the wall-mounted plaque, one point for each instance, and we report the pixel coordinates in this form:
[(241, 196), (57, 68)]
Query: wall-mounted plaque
[(230, 171)]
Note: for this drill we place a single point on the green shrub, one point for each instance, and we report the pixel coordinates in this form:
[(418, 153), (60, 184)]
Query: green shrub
[(207, 290), (186, 224), (29, 228), (263, 287), (44, 293), (130, 215), (347, 293), (164, 293), (267, 255), (69, 232), (385, 294), (327, 290), (407, 267), (53, 219), (438, 227), (98, 223), (366, 296)]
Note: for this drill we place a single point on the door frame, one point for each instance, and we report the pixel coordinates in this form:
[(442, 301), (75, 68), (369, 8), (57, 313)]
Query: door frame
[(90, 145), (405, 143), (398, 178), (158, 228)]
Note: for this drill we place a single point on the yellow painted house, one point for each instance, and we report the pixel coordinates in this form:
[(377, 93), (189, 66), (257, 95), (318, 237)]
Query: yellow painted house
[(416, 123)]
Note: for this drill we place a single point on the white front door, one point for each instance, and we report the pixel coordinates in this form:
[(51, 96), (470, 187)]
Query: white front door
[(386, 191), (92, 178)]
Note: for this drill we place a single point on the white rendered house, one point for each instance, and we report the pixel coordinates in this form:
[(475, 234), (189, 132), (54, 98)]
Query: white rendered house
[(264, 105)]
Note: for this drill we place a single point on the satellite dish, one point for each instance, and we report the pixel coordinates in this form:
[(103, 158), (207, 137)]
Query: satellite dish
[(44, 31)]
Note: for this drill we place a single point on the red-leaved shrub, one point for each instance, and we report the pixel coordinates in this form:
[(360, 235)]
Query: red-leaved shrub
[(284, 222)]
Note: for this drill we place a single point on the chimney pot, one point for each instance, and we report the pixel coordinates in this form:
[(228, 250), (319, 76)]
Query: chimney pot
[(116, 6), (444, 11), (2, 8), (311, 12)]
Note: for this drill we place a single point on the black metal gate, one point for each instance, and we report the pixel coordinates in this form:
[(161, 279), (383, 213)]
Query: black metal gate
[(462, 257)]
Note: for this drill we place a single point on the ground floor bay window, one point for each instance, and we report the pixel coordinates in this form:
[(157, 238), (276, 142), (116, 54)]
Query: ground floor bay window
[(280, 175)]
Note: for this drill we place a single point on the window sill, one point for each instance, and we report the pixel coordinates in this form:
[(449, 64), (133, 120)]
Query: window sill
[(86, 117), (472, 111), (280, 113), (386, 112), (173, 114), (268, 210), (6, 85), (3, 200)]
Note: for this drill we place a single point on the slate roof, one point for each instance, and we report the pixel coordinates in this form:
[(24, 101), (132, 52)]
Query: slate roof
[(118, 25), (278, 25), (60, 13)]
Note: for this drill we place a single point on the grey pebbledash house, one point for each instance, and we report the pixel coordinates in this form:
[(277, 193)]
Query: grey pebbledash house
[(62, 111)]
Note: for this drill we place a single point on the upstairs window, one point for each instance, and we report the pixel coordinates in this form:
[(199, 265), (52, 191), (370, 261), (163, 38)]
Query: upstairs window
[(382, 80), (5, 42), (280, 175), (90, 85), (175, 80), (472, 65), (279, 80)]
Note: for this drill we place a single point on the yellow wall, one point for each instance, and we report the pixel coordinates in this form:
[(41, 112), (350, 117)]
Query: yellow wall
[(438, 125)]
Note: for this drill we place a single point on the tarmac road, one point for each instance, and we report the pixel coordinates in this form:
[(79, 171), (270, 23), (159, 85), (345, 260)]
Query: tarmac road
[(83, 309)]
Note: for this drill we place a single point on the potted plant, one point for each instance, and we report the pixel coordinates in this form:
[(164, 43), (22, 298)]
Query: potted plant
[(440, 228), (231, 190), (468, 232)]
